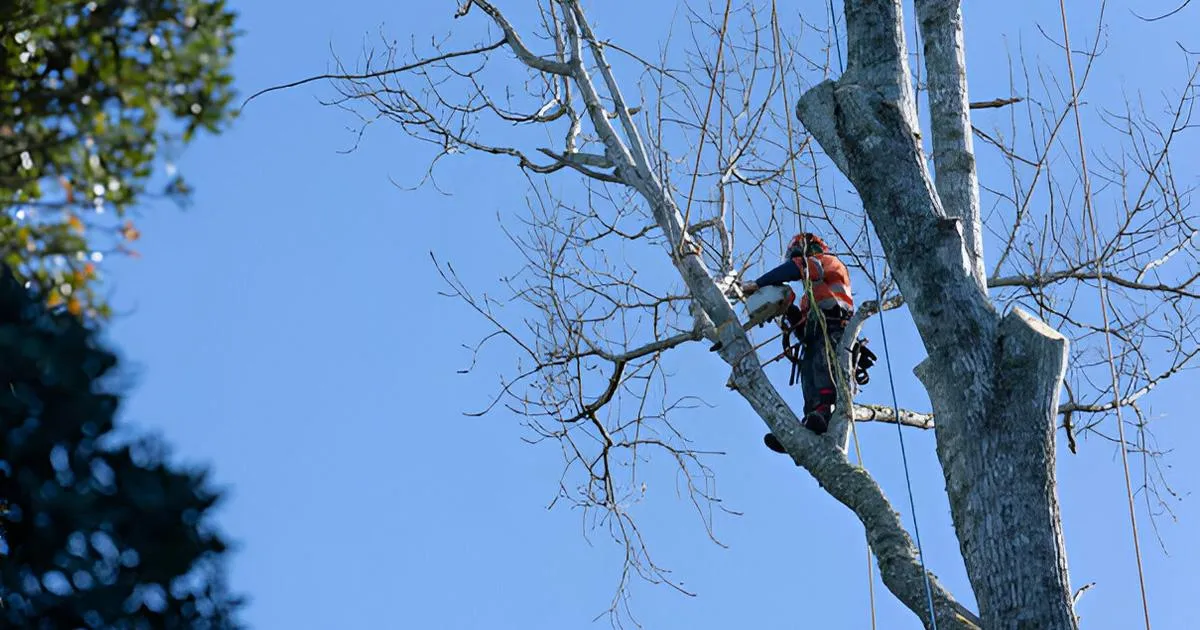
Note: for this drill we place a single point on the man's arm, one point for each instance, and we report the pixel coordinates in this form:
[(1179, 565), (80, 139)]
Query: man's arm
[(789, 271)]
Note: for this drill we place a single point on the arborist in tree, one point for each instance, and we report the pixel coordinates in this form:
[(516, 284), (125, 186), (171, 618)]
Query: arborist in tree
[(809, 260)]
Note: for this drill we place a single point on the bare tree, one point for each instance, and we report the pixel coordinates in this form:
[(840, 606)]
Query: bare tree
[(637, 256)]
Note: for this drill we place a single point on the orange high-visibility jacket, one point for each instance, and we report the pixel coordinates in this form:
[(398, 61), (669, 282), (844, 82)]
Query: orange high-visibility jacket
[(830, 282)]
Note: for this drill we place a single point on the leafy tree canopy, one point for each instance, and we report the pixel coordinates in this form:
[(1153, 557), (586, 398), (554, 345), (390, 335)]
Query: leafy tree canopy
[(94, 97)]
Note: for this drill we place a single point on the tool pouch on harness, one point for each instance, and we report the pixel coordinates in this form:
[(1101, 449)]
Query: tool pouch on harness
[(791, 323), (861, 359)]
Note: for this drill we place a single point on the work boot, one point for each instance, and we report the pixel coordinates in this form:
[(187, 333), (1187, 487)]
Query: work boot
[(816, 422)]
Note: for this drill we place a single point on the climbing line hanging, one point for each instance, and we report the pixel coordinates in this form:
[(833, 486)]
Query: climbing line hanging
[(1090, 213), (853, 427), (870, 557), (831, 355), (787, 114), (837, 38), (712, 92), (887, 355)]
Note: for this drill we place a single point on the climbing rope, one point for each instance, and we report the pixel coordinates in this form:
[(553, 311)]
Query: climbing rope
[(870, 556), (1103, 291), (787, 114), (831, 354), (887, 356)]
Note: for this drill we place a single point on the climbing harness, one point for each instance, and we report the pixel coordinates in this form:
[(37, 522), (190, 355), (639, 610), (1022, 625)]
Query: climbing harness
[(861, 357)]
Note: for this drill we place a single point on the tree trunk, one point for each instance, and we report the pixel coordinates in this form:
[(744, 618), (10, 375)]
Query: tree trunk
[(993, 380)]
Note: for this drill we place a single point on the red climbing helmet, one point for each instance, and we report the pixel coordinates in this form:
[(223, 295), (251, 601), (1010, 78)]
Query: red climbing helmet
[(805, 244)]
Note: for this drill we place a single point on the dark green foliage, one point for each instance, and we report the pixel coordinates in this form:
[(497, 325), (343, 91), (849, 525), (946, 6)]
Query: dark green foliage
[(94, 96), (98, 534)]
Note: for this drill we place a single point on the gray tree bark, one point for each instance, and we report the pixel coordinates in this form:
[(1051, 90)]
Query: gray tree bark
[(900, 568), (993, 379)]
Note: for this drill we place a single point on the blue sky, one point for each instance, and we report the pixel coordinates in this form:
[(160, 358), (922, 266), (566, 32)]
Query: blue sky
[(287, 330)]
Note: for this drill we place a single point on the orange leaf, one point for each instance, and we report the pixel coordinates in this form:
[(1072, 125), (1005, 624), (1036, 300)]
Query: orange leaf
[(89, 270), (66, 184), (75, 223), (74, 307), (129, 232), (55, 299)]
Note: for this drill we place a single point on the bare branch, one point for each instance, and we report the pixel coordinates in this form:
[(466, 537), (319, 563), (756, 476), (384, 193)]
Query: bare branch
[(1129, 399), (595, 319), (881, 413), (1040, 280), (1166, 15), (377, 74), (580, 162), (996, 103), (514, 40), (839, 426)]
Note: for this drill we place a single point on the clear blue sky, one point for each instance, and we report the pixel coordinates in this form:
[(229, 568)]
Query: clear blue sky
[(286, 330)]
